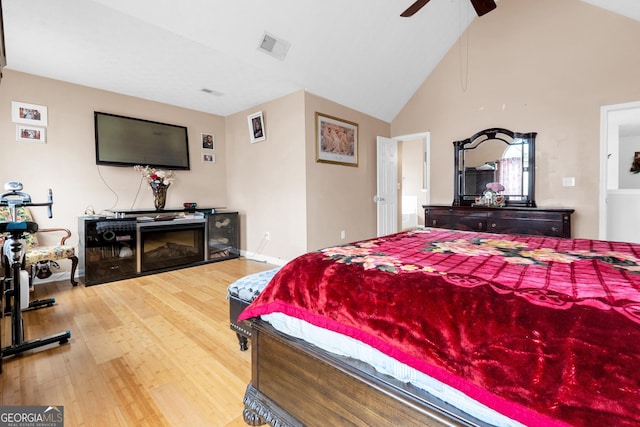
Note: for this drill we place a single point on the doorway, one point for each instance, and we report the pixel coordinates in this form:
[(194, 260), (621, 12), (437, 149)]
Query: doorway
[(403, 181), (619, 186)]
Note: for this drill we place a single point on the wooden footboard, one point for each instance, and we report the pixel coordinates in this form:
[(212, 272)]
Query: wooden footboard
[(294, 383)]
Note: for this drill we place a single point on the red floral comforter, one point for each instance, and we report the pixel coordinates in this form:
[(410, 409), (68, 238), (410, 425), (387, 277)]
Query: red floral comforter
[(544, 330)]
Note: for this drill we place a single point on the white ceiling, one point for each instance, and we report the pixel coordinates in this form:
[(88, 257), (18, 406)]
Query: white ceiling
[(359, 53)]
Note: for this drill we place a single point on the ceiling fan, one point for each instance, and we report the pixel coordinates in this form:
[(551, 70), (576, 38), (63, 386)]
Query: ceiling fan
[(482, 7)]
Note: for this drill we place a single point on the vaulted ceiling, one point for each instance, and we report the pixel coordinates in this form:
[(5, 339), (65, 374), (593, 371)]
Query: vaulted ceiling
[(204, 55)]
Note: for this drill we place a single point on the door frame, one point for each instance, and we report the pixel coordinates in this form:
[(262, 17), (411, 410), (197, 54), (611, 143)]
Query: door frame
[(605, 123), (426, 147), (426, 137)]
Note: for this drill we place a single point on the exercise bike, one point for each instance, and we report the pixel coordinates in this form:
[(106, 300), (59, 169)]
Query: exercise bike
[(15, 284)]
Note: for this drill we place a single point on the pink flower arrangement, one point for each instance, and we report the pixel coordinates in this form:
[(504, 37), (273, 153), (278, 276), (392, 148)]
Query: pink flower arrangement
[(495, 187)]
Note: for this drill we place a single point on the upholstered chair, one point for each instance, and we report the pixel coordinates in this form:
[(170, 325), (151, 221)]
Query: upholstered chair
[(35, 252)]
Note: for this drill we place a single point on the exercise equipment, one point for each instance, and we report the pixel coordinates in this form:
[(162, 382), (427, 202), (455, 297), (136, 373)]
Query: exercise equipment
[(15, 283)]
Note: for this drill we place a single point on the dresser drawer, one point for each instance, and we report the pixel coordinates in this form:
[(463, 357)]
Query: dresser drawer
[(541, 227), (439, 221), (471, 223), (438, 218)]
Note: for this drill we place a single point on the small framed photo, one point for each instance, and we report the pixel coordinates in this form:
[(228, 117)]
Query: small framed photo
[(208, 157), (256, 127), (30, 133), (207, 141), (29, 114), (336, 141)]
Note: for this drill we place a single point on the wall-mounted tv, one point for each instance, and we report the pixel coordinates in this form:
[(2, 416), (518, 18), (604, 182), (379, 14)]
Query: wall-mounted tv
[(126, 141)]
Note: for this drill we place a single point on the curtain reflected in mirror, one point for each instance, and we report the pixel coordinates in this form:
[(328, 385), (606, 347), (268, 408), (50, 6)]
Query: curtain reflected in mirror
[(512, 170)]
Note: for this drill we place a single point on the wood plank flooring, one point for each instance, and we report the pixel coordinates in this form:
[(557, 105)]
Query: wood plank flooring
[(151, 351)]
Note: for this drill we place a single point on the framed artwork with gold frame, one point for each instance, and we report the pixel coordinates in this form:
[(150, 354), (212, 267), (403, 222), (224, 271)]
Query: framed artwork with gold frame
[(336, 140)]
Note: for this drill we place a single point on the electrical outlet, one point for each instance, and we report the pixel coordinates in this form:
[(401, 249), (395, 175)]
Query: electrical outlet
[(568, 181), (343, 234), (267, 235)]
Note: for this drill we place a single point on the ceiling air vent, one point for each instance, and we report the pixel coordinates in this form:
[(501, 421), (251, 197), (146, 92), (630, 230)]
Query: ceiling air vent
[(274, 46)]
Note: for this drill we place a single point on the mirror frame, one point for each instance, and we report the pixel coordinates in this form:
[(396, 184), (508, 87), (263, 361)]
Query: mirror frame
[(460, 198)]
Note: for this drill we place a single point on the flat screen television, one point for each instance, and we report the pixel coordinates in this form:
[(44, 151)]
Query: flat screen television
[(126, 141)]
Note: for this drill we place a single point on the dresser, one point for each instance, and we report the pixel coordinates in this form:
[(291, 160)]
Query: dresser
[(554, 222)]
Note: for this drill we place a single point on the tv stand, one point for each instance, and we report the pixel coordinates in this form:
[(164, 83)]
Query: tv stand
[(138, 242)]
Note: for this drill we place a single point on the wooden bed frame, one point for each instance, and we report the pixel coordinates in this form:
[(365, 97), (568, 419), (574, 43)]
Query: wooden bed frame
[(297, 384)]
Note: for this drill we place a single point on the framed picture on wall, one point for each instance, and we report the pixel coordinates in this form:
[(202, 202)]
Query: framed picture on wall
[(336, 141), (30, 133), (207, 141), (256, 127), (29, 114)]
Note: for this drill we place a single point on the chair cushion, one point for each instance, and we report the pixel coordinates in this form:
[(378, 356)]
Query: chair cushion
[(23, 214), (48, 253), (247, 288)]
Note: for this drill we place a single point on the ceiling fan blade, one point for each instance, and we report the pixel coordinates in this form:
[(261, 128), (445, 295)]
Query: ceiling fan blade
[(483, 7), (411, 10)]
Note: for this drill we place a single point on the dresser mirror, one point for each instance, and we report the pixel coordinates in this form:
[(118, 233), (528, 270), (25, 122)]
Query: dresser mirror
[(495, 155)]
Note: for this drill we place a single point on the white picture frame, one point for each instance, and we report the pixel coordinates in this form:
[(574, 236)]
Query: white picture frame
[(27, 133), (208, 141), (257, 130), (29, 114)]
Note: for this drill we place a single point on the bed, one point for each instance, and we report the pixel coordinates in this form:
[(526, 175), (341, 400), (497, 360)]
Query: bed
[(443, 327)]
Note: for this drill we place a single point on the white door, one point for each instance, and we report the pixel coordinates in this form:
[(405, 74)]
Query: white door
[(387, 187)]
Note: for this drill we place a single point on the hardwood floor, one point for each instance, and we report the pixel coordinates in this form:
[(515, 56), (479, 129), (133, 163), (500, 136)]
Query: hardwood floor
[(150, 351)]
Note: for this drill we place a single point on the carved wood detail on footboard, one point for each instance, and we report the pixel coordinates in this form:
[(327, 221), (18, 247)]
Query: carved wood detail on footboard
[(295, 384), (259, 410)]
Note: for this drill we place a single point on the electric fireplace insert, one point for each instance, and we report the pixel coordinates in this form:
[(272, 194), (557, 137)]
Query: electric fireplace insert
[(170, 245)]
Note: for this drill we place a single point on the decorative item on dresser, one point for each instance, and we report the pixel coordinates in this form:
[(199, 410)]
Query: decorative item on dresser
[(555, 222)]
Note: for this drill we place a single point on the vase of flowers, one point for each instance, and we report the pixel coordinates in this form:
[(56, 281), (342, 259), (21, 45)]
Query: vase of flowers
[(491, 196), (159, 180)]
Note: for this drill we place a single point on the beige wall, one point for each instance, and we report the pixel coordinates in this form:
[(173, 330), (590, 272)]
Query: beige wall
[(66, 163), (266, 180), (280, 188), (341, 197), (276, 185), (545, 66)]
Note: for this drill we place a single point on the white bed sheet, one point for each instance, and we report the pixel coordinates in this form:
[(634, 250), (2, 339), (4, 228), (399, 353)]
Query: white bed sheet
[(349, 347)]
